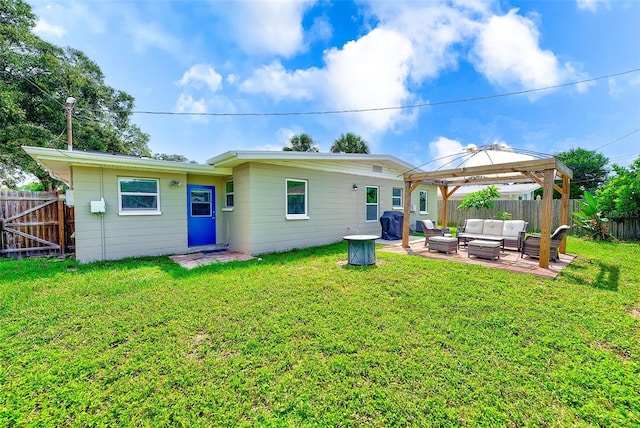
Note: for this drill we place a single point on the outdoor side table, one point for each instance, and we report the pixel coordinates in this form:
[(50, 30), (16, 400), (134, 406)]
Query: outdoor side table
[(361, 249)]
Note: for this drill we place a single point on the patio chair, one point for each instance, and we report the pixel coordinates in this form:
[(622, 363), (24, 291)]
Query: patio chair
[(531, 244), (429, 229)]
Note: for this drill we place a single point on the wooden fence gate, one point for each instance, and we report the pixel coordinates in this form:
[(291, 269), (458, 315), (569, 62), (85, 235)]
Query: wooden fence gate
[(35, 223)]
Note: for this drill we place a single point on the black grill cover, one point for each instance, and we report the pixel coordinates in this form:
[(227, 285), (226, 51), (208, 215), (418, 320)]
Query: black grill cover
[(391, 222)]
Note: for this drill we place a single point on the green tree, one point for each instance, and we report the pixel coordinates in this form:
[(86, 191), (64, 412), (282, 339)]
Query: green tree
[(172, 158), (349, 143), (589, 172), (483, 199), (619, 198), (301, 143), (36, 77)]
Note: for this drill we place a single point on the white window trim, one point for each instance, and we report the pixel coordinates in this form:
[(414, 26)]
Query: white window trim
[(304, 216), (366, 204), (210, 201), (401, 206), (138, 211), (229, 207), (426, 201)]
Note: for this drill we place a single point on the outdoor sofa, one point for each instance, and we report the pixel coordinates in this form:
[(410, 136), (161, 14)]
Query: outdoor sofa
[(512, 231)]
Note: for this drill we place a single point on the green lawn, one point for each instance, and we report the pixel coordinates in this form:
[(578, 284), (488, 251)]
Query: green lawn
[(299, 339)]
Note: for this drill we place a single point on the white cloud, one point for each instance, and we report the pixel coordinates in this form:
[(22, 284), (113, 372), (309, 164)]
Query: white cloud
[(267, 27), (275, 81), (153, 35), (44, 29), (59, 20), (370, 73), (507, 52), (434, 29), (591, 5), (199, 75), (187, 104), (622, 85), (444, 153), (283, 135), (321, 29), (412, 43)]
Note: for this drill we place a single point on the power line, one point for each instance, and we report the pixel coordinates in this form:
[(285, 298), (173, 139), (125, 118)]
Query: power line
[(617, 139), (36, 86), (419, 105), (364, 110)]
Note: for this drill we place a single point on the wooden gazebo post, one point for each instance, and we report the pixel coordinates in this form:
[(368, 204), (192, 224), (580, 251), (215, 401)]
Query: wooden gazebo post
[(444, 191), (547, 213), (564, 211)]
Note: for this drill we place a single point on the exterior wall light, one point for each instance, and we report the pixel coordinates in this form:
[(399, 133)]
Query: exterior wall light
[(175, 183), (355, 187)]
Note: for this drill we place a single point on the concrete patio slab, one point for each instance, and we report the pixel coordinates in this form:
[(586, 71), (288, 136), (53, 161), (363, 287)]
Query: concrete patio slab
[(509, 260)]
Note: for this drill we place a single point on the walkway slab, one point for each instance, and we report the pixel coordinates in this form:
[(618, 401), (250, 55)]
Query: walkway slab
[(193, 260)]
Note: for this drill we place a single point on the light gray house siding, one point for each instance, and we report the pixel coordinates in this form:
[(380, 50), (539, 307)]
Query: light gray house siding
[(334, 208), (111, 236), (237, 221)]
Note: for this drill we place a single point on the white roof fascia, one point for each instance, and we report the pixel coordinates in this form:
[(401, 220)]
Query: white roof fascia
[(237, 157), (44, 155)]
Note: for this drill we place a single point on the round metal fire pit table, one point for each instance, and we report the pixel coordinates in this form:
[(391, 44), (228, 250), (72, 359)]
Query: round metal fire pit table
[(361, 249)]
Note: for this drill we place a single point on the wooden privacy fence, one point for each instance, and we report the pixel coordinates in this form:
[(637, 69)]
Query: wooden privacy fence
[(531, 211), (34, 223)]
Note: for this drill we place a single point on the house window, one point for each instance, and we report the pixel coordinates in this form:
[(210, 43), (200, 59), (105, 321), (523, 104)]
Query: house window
[(138, 196), (228, 191), (297, 201), (372, 203), (396, 197), (201, 203), (423, 202)]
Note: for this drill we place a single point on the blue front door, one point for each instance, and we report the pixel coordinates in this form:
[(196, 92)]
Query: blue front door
[(201, 215)]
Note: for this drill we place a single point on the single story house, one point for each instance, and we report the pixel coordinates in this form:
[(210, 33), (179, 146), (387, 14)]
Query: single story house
[(508, 192), (254, 202)]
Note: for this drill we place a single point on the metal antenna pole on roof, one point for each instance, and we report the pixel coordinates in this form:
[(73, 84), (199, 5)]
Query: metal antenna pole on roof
[(70, 102)]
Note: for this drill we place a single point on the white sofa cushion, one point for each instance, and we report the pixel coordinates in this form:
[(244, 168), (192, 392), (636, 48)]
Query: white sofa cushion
[(474, 225), (512, 228), (492, 227)]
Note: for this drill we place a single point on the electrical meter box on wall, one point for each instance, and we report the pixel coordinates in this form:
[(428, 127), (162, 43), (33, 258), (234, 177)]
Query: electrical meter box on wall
[(98, 206), (68, 197)]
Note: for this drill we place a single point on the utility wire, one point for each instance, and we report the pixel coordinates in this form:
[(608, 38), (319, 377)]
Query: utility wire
[(419, 105), (36, 86), (364, 110), (617, 139)]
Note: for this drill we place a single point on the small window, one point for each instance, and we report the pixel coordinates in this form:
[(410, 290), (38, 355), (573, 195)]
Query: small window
[(396, 197), (228, 191), (201, 205), (423, 202), (138, 196), (297, 201), (372, 203)]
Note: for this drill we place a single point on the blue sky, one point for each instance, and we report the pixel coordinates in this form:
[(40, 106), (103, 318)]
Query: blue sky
[(223, 57)]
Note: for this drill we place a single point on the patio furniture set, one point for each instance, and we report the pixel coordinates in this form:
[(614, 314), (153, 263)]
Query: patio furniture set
[(488, 238)]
